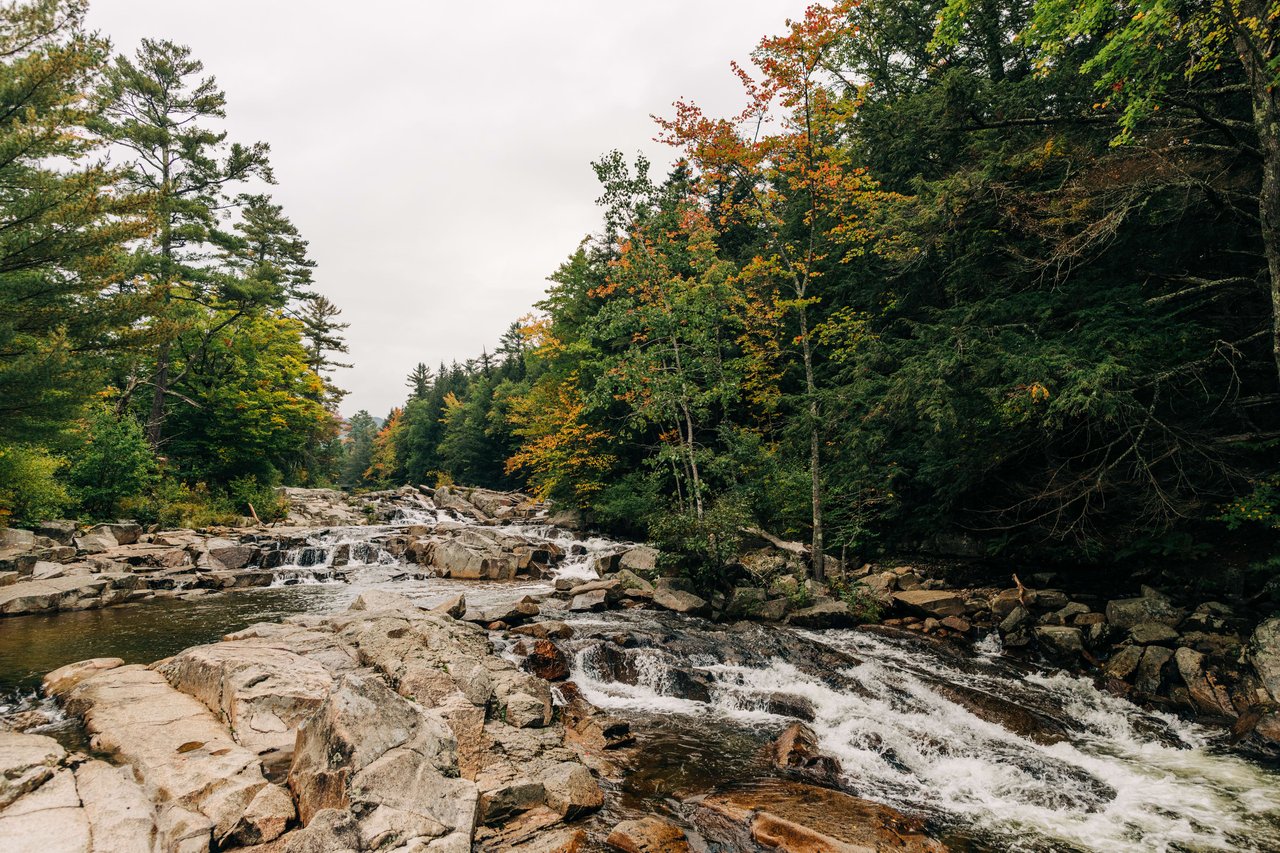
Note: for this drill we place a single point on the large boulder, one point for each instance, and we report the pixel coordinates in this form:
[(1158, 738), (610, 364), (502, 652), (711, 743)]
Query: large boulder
[(793, 817), (386, 759), (679, 601), (824, 614), (200, 778), (1264, 654), (648, 835), (1126, 613), (262, 693), (936, 603)]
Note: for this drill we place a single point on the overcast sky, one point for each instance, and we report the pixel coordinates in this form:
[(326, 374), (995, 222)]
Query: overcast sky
[(437, 155)]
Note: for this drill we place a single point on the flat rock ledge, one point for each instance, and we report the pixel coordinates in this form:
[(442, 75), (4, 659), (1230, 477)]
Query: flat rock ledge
[(384, 727)]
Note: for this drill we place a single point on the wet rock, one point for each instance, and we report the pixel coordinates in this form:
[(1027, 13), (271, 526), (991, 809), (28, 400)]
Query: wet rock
[(774, 610), (1264, 654), (1051, 599), (1004, 602), (590, 601), (1152, 633), (547, 661), (1150, 673), (1025, 722), (793, 817), (796, 752), (827, 614), (1206, 694), (1124, 662), (679, 601), (936, 603), (957, 624), (571, 790), (1060, 641), (648, 835)]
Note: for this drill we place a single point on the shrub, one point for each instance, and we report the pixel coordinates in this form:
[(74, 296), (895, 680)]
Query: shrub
[(251, 496), (29, 488), (114, 463), (703, 550)]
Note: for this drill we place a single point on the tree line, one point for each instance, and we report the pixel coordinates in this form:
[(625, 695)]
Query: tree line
[(163, 354), (976, 277)]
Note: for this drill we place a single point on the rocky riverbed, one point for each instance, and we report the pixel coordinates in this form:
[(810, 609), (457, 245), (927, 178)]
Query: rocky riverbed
[(451, 670)]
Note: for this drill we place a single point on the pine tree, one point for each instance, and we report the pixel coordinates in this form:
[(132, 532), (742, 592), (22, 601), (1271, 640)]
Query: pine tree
[(419, 382), (158, 109)]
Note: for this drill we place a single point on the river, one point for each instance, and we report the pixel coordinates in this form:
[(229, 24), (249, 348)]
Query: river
[(994, 754)]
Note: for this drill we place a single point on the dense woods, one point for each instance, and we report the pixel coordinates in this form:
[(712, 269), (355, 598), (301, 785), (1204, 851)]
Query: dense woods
[(161, 354), (971, 277)]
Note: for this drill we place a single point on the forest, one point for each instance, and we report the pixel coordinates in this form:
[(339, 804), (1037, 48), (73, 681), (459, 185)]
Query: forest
[(961, 277)]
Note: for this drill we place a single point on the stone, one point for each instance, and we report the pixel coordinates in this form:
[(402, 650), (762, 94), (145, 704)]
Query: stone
[(27, 761), (1004, 602), (1207, 695), (648, 835), (801, 818), (1124, 662), (774, 610), (827, 614), (454, 607), (1060, 641), (571, 790), (588, 601), (62, 679), (1152, 633), (547, 661), (1264, 654), (642, 560), (183, 756), (269, 812), (1018, 617), (679, 601), (62, 531), (1150, 673), (386, 759), (745, 601), (1125, 613), (47, 819), (95, 543), (957, 624), (549, 629), (937, 603), (633, 584), (796, 752), (121, 818), (260, 692)]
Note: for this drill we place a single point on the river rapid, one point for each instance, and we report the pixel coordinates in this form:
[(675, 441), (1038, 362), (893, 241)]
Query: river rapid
[(994, 754)]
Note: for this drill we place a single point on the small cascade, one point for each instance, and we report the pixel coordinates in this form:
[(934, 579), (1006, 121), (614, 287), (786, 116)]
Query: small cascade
[(1034, 761)]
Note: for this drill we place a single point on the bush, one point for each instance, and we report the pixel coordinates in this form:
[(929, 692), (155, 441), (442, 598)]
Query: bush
[(114, 463), (29, 488), (858, 597), (174, 504), (703, 550), (250, 497)]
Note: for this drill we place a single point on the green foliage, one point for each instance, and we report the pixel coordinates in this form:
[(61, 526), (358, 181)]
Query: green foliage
[(702, 549), (1259, 508), (30, 490), (113, 463), (174, 504), (251, 496), (860, 600)]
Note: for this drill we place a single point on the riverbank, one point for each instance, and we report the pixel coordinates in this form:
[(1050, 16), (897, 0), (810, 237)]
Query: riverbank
[(774, 724)]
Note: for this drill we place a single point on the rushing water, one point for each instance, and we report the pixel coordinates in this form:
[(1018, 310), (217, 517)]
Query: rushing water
[(995, 755)]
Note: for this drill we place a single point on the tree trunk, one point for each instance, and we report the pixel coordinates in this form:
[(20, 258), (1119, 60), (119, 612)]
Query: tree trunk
[(815, 461), (1266, 120), (160, 383)]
